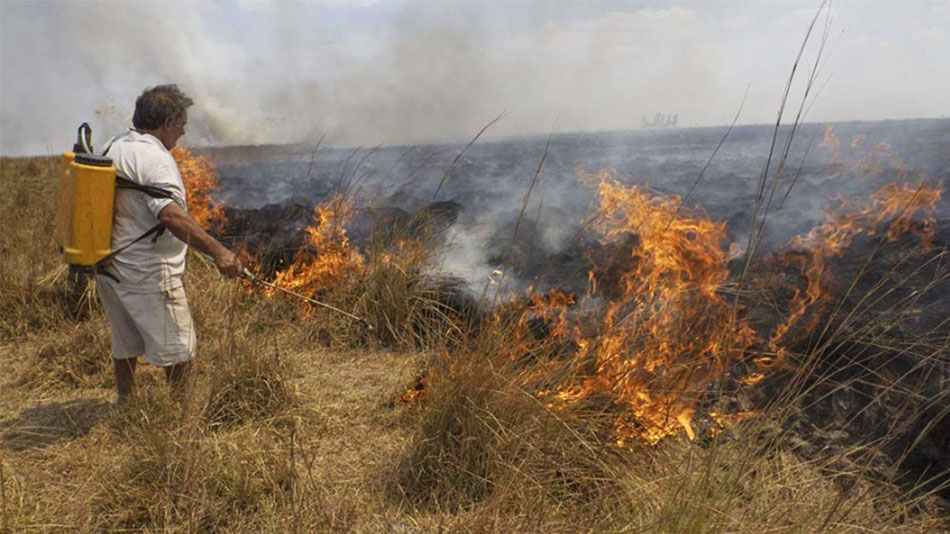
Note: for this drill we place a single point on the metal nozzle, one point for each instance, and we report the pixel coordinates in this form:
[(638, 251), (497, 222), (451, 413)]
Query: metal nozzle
[(251, 277)]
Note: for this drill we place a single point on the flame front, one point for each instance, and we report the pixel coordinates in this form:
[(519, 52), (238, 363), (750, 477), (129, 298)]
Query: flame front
[(667, 332), (670, 332), (328, 257), (200, 180), (896, 202)]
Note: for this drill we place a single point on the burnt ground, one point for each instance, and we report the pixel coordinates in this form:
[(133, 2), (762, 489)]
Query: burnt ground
[(877, 364), (875, 348), (875, 355)]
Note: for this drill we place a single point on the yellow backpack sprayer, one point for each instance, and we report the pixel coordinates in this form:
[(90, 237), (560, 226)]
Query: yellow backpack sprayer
[(84, 220), (86, 200)]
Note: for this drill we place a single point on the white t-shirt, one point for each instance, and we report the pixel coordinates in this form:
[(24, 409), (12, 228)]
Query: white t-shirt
[(146, 266)]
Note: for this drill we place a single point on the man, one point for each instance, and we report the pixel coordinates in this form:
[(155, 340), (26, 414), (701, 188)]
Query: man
[(147, 309)]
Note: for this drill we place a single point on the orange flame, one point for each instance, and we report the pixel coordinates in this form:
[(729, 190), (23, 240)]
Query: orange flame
[(831, 142), (549, 307), (666, 332), (200, 180), (670, 333), (898, 202), (328, 258)]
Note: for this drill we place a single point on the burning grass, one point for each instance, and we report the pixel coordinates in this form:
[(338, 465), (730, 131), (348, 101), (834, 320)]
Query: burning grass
[(673, 345), (670, 332), (201, 181), (494, 457), (389, 282), (668, 398)]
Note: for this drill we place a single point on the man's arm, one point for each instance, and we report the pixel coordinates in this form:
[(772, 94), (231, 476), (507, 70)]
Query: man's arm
[(182, 226)]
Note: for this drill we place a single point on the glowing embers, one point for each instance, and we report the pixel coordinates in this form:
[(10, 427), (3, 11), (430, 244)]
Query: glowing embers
[(200, 182), (667, 333), (549, 309), (327, 258)]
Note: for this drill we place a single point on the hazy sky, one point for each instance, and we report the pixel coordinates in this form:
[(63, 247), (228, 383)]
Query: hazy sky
[(393, 72)]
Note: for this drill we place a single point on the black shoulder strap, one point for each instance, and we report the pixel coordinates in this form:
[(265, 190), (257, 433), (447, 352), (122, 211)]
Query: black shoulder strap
[(158, 229), (99, 267), (122, 182)]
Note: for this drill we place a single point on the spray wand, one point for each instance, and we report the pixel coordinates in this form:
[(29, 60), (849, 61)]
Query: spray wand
[(254, 279)]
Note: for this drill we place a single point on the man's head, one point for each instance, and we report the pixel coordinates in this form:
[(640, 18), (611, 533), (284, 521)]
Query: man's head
[(163, 112)]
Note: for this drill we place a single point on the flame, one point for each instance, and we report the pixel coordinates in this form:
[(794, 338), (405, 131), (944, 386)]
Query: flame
[(666, 332), (328, 257), (670, 333), (549, 308), (831, 142), (752, 379), (200, 180), (897, 202), (416, 395)]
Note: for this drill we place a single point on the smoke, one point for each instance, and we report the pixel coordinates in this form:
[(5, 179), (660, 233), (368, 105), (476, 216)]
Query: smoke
[(489, 183), (402, 73)]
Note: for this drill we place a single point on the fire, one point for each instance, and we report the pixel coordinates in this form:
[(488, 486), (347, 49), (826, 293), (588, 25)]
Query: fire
[(416, 395), (670, 332), (550, 308), (897, 202), (664, 331), (833, 143), (200, 180), (328, 257), (323, 262)]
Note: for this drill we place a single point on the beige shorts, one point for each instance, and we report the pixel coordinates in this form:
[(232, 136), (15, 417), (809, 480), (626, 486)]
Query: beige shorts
[(157, 325)]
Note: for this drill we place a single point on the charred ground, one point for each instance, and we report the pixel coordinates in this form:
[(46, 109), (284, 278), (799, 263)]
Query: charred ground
[(479, 405), (869, 345)]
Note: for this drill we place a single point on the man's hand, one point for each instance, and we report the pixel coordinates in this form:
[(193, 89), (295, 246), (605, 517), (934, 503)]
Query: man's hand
[(182, 226), (229, 264)]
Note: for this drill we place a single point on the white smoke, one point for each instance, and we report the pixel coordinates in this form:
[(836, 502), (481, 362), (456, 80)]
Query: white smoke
[(392, 73)]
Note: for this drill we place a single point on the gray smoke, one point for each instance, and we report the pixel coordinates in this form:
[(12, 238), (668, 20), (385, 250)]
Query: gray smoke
[(413, 73), (402, 73)]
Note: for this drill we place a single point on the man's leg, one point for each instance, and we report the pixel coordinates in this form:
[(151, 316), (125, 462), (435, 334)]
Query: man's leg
[(177, 377), (178, 341), (124, 377), (127, 343)]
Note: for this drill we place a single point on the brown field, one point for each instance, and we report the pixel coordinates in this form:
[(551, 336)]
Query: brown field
[(297, 422)]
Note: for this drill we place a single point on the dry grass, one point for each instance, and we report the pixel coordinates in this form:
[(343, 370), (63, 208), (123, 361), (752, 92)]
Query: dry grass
[(492, 457), (290, 425)]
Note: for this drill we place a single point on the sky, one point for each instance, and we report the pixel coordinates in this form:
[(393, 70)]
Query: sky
[(363, 72)]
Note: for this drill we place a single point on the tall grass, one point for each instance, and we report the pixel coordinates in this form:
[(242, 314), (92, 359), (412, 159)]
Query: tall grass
[(488, 446), (486, 450), (33, 294)]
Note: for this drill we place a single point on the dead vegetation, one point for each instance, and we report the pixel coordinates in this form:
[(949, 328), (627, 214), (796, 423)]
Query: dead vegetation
[(291, 423)]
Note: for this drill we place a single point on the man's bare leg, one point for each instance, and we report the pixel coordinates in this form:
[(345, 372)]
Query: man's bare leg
[(177, 377), (124, 378)]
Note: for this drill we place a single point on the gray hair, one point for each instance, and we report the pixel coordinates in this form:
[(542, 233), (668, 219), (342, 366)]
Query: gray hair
[(159, 104)]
